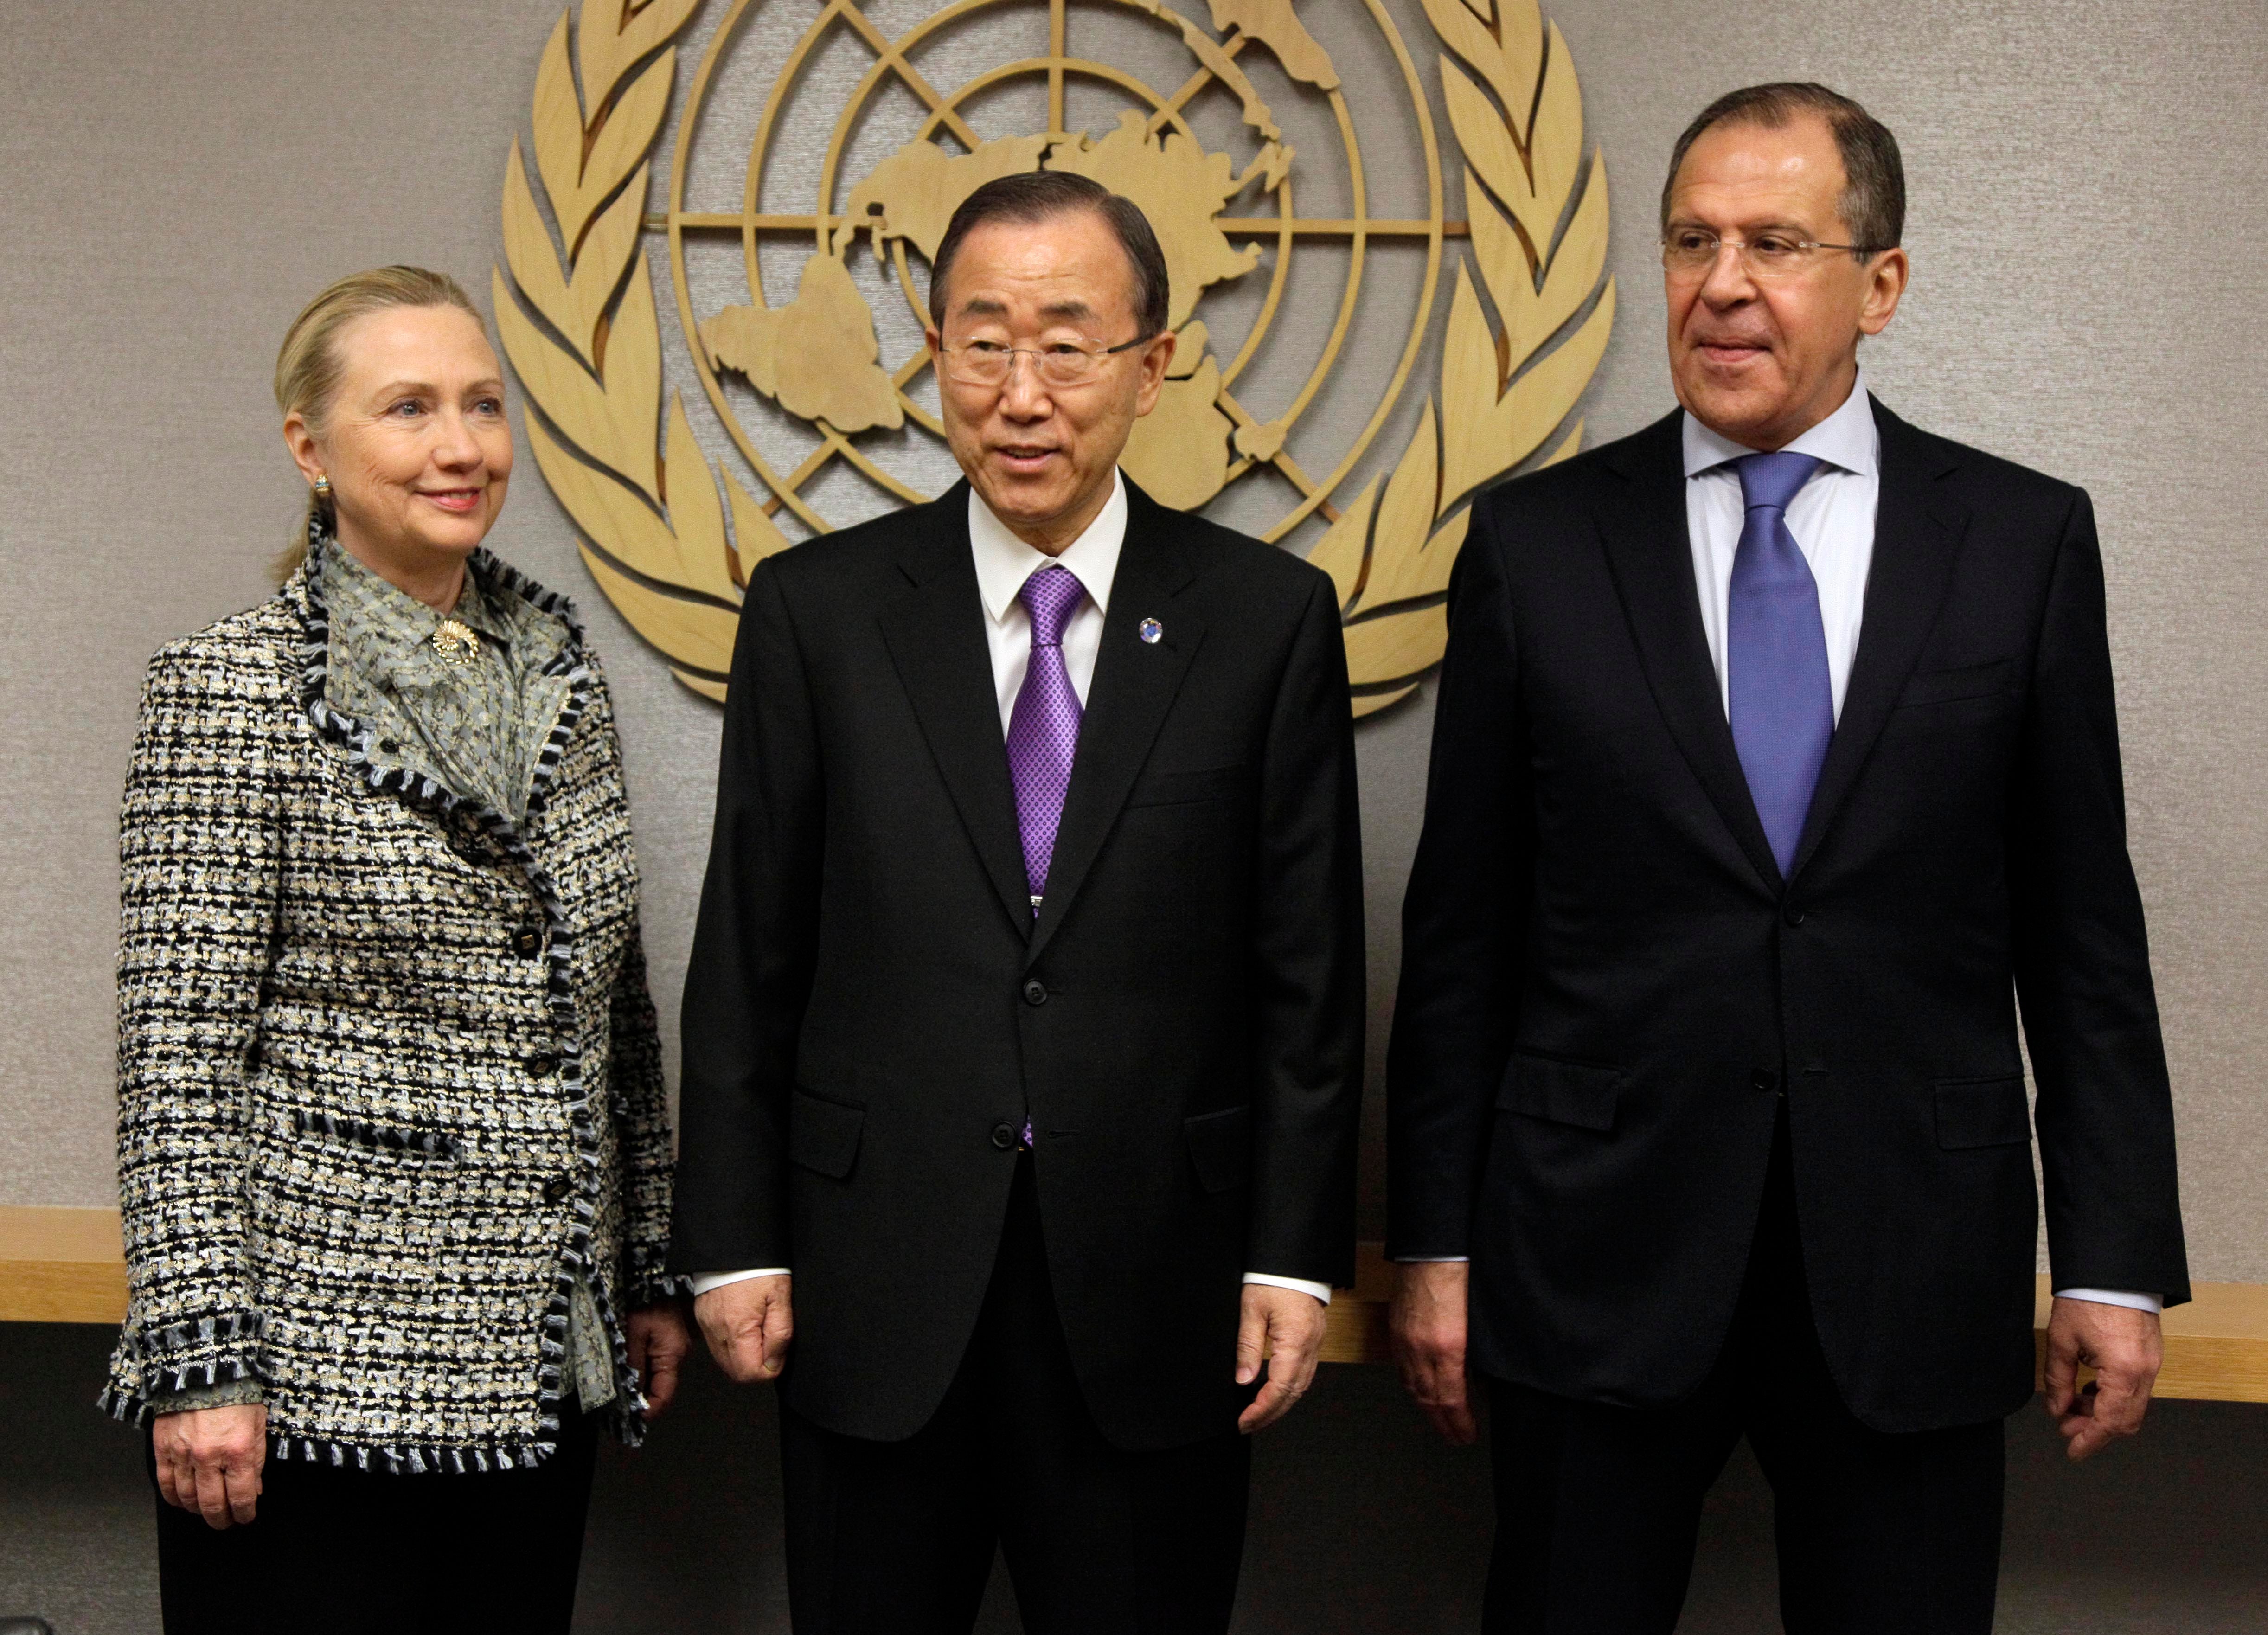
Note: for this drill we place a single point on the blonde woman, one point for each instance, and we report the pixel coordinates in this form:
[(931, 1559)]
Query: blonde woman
[(393, 1152)]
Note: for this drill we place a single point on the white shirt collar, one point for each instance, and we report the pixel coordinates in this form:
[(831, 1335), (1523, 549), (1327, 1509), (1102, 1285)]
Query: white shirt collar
[(1005, 562), (1846, 438)]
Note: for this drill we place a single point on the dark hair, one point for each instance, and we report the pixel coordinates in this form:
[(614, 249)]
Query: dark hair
[(1038, 195), (1873, 202)]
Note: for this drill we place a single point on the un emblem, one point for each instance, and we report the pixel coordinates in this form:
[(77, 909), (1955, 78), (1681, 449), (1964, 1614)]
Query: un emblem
[(824, 390)]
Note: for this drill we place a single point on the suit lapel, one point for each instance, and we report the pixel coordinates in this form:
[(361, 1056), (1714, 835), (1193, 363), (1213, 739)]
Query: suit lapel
[(1134, 686), (1917, 540), (1644, 527), (936, 638)]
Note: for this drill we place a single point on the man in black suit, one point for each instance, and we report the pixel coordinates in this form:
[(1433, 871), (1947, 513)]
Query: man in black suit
[(1775, 762), (1023, 1025)]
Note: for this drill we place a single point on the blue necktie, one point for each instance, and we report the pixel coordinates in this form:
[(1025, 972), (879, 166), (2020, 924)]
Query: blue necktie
[(1782, 703)]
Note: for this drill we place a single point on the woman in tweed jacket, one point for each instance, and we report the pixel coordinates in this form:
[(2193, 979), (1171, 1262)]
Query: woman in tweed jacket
[(392, 1153)]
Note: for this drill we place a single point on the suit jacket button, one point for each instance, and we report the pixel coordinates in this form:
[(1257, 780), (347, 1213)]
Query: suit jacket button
[(1035, 992), (1764, 1079), (556, 1188), (1003, 1134), (1793, 915), (543, 1064), (528, 941)]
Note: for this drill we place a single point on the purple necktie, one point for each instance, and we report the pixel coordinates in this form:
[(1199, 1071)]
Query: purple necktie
[(1782, 703), (1043, 727)]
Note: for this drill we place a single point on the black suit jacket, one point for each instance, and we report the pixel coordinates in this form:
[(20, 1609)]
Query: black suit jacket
[(871, 1012), (1607, 987)]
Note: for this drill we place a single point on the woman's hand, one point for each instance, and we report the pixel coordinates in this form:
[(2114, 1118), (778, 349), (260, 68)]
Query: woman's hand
[(209, 1461), (658, 1340)]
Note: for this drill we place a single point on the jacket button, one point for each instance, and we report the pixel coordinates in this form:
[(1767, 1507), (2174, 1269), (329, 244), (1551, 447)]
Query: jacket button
[(1764, 1079), (1003, 1134), (556, 1188), (389, 746), (528, 941), (543, 1064), (1793, 915), (1035, 992)]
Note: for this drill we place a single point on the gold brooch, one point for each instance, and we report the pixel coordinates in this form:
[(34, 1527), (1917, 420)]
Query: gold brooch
[(457, 643)]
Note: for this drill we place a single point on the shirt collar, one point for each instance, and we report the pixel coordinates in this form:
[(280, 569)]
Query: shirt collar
[(1005, 562), (372, 600), (1846, 440)]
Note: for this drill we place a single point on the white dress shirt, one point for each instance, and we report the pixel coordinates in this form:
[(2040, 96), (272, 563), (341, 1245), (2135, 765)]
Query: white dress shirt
[(1002, 563), (1832, 519)]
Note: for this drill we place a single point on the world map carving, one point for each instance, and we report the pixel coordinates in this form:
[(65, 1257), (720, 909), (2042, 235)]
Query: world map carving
[(578, 322)]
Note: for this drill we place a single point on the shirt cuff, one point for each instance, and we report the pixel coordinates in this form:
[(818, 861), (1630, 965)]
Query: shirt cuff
[(705, 1281), (1321, 1291), (2115, 1297), (226, 1394), (1431, 1260)]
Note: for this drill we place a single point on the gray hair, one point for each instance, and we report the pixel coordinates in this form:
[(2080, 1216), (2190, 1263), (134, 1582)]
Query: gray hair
[(1874, 202), (1038, 195)]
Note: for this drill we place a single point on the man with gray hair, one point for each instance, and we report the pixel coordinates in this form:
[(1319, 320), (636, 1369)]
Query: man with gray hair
[(1775, 755), (1023, 1032)]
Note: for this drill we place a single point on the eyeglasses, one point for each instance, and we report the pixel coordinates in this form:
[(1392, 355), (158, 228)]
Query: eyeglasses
[(1689, 251), (1060, 364)]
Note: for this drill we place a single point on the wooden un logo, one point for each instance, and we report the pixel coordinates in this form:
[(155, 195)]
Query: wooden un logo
[(827, 404)]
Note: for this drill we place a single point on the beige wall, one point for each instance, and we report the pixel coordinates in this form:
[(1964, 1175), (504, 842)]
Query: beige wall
[(2088, 246)]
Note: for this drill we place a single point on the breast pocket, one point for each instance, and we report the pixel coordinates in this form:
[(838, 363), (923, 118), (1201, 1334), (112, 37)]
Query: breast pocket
[(1989, 680), (1177, 789)]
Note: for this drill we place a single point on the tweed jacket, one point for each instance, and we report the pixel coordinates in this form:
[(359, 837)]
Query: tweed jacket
[(388, 1074)]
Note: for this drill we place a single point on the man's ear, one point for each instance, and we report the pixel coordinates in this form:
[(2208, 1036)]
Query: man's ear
[(1157, 358), (1886, 285)]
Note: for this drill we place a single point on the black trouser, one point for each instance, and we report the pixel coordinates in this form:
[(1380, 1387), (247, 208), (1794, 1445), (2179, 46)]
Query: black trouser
[(1878, 1534), (361, 1552), (897, 1538)]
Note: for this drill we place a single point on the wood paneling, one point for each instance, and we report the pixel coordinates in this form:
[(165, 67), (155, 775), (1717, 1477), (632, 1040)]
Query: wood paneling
[(61, 1265), (65, 1266)]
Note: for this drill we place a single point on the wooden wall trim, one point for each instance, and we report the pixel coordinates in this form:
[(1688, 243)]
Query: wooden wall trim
[(64, 1265)]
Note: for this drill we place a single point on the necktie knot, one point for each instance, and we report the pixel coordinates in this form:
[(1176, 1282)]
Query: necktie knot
[(1049, 596), (1769, 482)]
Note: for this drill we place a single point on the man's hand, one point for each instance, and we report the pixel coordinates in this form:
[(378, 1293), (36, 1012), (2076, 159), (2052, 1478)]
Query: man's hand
[(747, 1325), (2124, 1348), (1286, 1327), (1427, 1326), (658, 1340), (209, 1461)]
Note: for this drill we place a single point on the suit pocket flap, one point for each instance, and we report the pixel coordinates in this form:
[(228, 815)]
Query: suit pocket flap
[(1582, 1093), (822, 1135), (1943, 687), (1220, 1145), (1982, 1112), (427, 1143)]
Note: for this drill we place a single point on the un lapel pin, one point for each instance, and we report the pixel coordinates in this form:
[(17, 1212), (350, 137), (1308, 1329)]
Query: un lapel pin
[(1151, 632)]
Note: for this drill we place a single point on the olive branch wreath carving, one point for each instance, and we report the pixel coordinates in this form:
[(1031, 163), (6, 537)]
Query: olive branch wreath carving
[(1502, 395), (577, 320)]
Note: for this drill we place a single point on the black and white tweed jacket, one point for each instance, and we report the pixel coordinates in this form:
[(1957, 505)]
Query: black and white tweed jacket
[(389, 1072)]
